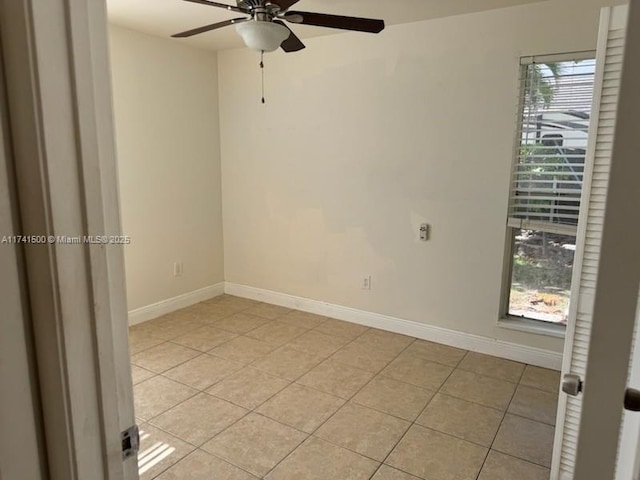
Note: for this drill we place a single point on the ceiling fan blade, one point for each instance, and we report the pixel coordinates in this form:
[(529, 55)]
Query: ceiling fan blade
[(336, 21), (219, 5), (285, 4), (207, 28), (291, 44)]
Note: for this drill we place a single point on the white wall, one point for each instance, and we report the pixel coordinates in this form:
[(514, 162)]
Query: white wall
[(365, 137), (166, 117)]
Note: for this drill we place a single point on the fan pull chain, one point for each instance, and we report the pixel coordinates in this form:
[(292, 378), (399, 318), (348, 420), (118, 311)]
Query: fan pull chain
[(262, 71)]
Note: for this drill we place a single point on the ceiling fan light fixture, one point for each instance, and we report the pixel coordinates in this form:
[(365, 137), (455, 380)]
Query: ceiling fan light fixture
[(262, 35)]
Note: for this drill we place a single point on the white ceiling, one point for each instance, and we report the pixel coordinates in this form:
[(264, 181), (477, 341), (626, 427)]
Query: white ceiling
[(166, 17)]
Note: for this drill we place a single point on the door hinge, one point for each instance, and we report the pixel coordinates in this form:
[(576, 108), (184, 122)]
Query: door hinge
[(130, 442)]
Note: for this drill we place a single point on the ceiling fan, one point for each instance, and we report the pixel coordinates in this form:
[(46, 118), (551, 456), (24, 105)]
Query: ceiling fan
[(264, 29)]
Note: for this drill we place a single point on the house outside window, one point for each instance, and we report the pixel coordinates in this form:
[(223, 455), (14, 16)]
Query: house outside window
[(546, 185)]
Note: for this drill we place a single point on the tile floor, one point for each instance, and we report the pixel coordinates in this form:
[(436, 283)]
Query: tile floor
[(233, 389)]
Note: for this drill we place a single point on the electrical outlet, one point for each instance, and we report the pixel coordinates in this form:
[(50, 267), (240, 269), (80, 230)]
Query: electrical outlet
[(177, 269), (366, 282)]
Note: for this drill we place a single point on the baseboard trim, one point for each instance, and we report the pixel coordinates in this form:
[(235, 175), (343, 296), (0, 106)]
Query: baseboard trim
[(169, 305), (466, 341)]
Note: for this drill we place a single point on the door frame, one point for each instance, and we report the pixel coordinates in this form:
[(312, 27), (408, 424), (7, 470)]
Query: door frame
[(616, 295), (628, 462), (56, 64), (21, 442)]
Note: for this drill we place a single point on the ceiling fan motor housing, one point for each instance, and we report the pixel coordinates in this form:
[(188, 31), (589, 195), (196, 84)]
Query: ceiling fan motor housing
[(260, 6)]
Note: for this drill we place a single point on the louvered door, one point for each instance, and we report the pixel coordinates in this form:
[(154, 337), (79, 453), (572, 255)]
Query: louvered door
[(608, 69)]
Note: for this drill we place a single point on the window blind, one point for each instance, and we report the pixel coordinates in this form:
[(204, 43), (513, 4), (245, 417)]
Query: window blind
[(549, 166)]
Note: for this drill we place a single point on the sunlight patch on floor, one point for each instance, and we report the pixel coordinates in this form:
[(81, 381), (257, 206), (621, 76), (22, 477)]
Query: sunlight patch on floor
[(152, 455)]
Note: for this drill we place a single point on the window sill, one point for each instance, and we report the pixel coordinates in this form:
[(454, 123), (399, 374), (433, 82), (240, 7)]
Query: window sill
[(533, 326)]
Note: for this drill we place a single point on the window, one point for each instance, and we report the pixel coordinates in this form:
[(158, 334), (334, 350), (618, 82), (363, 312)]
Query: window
[(546, 185)]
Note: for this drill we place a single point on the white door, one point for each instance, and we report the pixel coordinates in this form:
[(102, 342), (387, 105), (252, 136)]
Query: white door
[(56, 65), (628, 465), (605, 294)]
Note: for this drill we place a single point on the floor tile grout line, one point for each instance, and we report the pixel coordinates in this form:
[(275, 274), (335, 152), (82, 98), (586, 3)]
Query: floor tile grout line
[(186, 385), (211, 454), (504, 415), (210, 352), (171, 465), (199, 352), (319, 363), (387, 413), (171, 340), (131, 354), (311, 434), (276, 347), (351, 398), (254, 410), (292, 381), (346, 401), (445, 394), (236, 371), (553, 392), (529, 418), (473, 401), (173, 434), (164, 342), (210, 348), (299, 384), (188, 329), (413, 423), (150, 420), (374, 375), (485, 375), (228, 461), (522, 459), (246, 408), (352, 340), (249, 411), (453, 435), (504, 412), (307, 435), (402, 437), (439, 389), (211, 395)]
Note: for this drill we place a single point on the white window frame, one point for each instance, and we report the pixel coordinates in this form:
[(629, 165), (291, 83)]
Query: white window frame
[(505, 320)]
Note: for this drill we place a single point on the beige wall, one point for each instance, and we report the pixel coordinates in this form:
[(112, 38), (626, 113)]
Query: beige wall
[(365, 137), (166, 116)]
